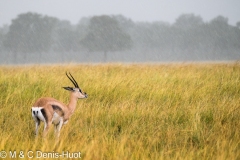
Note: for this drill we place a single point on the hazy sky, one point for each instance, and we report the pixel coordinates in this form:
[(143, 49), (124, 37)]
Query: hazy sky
[(137, 10)]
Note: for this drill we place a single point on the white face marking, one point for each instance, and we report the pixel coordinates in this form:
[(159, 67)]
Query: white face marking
[(79, 94), (76, 89)]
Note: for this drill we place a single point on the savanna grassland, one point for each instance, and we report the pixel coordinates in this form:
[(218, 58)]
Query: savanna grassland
[(139, 111)]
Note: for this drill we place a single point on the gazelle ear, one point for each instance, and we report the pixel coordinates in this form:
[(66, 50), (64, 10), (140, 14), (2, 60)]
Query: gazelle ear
[(68, 88)]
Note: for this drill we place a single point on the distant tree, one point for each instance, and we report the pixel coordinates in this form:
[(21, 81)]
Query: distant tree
[(82, 30), (125, 23), (151, 35), (65, 37), (220, 21), (3, 32), (219, 33), (67, 40), (30, 32), (106, 35), (82, 25), (1, 40), (188, 32), (238, 25), (187, 21)]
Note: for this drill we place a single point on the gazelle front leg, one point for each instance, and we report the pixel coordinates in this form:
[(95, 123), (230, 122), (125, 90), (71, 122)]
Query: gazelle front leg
[(58, 127)]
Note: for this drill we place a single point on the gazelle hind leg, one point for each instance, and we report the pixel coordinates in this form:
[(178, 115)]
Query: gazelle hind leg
[(47, 121), (46, 128), (37, 123)]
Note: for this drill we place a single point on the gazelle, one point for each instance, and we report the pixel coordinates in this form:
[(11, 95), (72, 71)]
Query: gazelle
[(52, 111)]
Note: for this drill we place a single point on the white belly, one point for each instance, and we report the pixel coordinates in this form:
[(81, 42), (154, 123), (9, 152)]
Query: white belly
[(56, 118)]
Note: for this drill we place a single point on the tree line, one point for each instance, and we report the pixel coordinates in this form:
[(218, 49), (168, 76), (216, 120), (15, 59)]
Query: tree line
[(35, 34)]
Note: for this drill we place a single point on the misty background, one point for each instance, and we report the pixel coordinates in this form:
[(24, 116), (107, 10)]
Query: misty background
[(43, 36)]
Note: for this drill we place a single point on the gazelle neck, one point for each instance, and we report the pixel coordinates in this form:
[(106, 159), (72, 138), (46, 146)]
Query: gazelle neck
[(73, 103)]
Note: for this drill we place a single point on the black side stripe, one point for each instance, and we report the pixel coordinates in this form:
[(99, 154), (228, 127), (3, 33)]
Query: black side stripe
[(58, 109), (44, 114)]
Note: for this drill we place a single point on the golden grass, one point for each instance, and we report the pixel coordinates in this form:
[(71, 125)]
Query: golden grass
[(175, 111)]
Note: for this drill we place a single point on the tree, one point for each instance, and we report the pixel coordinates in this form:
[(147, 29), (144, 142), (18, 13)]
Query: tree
[(220, 21), (220, 34), (65, 37), (187, 21), (3, 32), (188, 31), (30, 32), (238, 25), (125, 24), (106, 35)]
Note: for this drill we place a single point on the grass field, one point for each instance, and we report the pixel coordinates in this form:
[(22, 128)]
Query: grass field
[(171, 111)]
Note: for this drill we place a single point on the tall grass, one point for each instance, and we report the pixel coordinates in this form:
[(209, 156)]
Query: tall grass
[(177, 111)]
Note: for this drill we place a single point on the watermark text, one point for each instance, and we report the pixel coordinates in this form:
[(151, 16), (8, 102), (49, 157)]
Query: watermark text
[(39, 154)]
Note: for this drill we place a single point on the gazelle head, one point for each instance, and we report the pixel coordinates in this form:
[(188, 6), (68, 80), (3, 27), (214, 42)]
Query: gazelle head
[(75, 90)]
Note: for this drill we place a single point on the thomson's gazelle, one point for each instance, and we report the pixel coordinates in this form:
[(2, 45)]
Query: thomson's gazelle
[(50, 110)]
